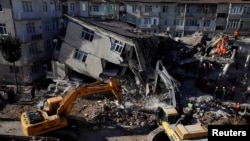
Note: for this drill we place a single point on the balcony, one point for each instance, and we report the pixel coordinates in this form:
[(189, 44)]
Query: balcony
[(28, 38), (150, 14), (27, 16)]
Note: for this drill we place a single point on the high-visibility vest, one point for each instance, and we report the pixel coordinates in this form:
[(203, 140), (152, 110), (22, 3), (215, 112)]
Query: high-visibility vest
[(190, 106), (236, 33)]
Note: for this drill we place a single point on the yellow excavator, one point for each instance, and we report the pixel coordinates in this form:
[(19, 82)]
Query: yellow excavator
[(53, 115), (173, 128)]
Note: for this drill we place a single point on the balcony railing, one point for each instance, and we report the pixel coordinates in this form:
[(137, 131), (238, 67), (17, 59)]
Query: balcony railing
[(27, 15), (150, 14)]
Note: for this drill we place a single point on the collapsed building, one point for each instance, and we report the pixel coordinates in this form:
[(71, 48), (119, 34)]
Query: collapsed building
[(173, 68)]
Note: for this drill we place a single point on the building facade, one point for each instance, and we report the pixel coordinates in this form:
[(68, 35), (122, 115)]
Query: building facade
[(35, 23), (182, 17)]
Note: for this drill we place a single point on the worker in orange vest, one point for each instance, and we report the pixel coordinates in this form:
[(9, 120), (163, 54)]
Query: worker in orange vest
[(236, 33)]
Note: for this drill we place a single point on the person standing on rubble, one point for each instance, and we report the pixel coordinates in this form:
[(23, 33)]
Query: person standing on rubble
[(232, 93), (34, 87), (236, 33), (190, 107), (224, 92)]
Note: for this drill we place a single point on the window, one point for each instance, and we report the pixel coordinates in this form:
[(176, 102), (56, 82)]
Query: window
[(3, 30), (45, 7), (164, 9), (148, 8), (178, 34), (80, 55), (96, 8), (236, 9), (134, 8), (179, 9), (147, 21), (46, 26), (117, 46), (192, 9), (48, 45), (27, 6), (30, 27), (12, 69), (83, 7), (191, 23), (1, 9), (134, 20), (87, 34), (33, 49), (219, 27), (165, 22), (221, 15), (233, 23), (246, 10), (71, 6), (207, 9), (206, 23), (35, 67), (179, 22), (245, 25)]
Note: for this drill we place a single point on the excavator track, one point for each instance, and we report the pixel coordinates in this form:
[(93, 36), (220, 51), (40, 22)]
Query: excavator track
[(26, 138), (158, 134)]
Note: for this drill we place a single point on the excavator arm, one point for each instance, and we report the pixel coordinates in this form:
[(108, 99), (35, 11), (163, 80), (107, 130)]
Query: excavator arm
[(93, 88)]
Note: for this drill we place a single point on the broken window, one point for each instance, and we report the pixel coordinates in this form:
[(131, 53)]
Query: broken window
[(87, 34), (117, 46), (80, 55)]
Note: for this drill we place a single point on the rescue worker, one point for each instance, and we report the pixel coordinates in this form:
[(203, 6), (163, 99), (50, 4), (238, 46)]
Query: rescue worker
[(236, 33), (224, 93), (190, 108), (232, 92), (237, 108)]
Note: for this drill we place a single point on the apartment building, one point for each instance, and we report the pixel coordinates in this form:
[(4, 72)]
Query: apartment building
[(35, 23), (183, 17), (92, 8)]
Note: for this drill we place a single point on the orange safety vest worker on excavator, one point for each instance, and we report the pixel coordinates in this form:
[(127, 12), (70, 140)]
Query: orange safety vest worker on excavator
[(236, 34)]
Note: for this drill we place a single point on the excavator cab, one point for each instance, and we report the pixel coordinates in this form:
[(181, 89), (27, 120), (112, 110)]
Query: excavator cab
[(51, 105), (167, 114)]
